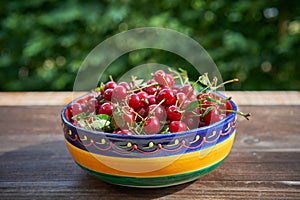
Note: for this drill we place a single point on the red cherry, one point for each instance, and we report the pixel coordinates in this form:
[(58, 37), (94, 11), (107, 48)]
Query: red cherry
[(204, 103), (212, 116), (123, 132), (177, 126), (150, 89), (150, 100), (202, 96), (167, 95), (106, 108), (134, 101), (125, 85), (192, 122), (124, 120), (159, 77), (107, 94), (99, 97), (128, 119), (188, 90), (110, 85), (75, 109), (119, 93), (173, 113), (180, 98), (175, 89), (201, 123), (162, 87), (142, 94), (185, 104), (84, 107), (157, 111), (228, 106), (151, 125), (142, 112), (92, 105), (169, 80), (85, 99)]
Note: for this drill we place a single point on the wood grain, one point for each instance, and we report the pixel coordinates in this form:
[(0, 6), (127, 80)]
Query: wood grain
[(62, 98), (263, 164)]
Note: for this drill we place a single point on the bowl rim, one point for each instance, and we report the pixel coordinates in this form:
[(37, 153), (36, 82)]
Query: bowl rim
[(175, 134)]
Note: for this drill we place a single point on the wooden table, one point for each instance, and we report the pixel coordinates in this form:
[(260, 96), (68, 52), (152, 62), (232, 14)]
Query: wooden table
[(263, 164)]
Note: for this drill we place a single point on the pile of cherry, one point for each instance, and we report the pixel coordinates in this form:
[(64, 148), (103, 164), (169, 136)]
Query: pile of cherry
[(156, 106)]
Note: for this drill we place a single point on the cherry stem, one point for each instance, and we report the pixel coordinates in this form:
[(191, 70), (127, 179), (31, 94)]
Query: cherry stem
[(183, 81), (152, 111), (141, 88), (111, 78), (246, 115), (226, 82)]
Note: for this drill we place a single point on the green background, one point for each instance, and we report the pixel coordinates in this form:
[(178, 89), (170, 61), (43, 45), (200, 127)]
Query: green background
[(44, 42)]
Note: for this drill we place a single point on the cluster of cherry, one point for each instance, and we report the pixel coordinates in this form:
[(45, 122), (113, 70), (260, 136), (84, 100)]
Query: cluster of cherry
[(155, 106)]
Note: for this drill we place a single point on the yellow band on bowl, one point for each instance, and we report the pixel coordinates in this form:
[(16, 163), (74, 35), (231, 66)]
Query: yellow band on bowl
[(157, 166)]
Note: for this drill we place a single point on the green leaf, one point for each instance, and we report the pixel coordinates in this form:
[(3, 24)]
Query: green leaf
[(210, 99), (100, 123), (197, 88), (207, 111), (193, 105), (102, 117), (79, 116), (138, 81)]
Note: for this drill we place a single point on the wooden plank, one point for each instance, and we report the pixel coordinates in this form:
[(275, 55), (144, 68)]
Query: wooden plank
[(47, 170), (62, 98), (37, 98), (94, 189), (267, 98), (263, 164), (270, 128)]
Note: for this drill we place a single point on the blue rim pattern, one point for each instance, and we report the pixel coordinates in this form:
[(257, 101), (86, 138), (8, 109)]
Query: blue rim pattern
[(157, 145)]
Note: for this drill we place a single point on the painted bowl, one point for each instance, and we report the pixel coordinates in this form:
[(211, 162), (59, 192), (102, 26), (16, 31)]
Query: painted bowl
[(157, 160)]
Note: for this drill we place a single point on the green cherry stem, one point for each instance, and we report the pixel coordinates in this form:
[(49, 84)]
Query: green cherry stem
[(226, 82), (246, 115)]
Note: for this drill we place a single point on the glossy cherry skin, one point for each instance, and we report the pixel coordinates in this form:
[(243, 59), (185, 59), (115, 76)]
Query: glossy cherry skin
[(110, 85), (123, 132), (149, 100), (159, 77), (134, 101), (173, 113), (157, 111), (142, 113), (108, 94), (151, 125), (168, 96), (188, 90), (92, 105), (125, 85), (75, 109), (119, 93), (106, 108), (212, 116), (177, 126), (181, 97)]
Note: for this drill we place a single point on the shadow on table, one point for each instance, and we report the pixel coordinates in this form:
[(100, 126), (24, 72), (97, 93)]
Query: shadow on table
[(48, 169)]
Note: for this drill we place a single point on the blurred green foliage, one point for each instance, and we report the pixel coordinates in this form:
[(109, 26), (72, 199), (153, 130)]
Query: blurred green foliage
[(44, 42)]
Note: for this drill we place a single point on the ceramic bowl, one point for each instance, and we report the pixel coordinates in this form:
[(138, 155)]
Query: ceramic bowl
[(157, 160)]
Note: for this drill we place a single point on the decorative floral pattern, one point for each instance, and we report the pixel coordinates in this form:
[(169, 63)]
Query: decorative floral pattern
[(163, 146)]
